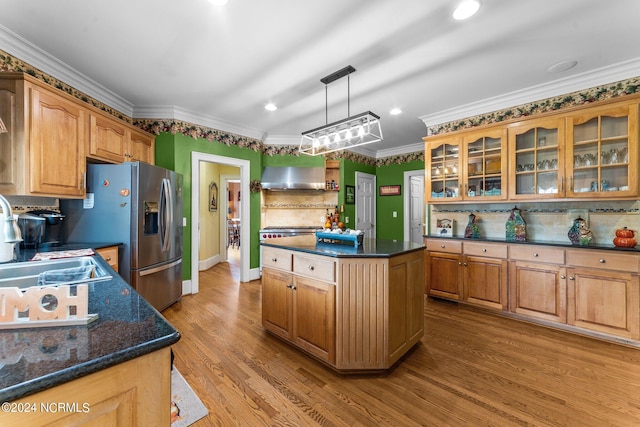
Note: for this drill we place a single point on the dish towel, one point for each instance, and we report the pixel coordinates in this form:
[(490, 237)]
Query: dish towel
[(66, 275)]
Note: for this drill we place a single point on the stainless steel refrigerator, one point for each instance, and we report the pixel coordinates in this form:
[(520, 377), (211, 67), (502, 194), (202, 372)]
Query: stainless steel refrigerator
[(140, 206)]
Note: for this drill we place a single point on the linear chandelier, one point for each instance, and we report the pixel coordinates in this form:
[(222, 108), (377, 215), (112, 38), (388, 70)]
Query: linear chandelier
[(354, 131)]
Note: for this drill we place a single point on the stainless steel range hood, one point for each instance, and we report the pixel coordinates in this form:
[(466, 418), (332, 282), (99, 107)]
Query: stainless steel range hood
[(293, 178)]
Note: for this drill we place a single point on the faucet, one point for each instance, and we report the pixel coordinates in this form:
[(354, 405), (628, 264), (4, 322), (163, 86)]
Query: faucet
[(10, 226)]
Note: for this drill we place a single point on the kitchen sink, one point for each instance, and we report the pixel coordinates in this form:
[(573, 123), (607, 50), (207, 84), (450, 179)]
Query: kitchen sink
[(25, 274)]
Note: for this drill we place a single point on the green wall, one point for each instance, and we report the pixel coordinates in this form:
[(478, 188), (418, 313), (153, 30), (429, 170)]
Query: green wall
[(387, 226)]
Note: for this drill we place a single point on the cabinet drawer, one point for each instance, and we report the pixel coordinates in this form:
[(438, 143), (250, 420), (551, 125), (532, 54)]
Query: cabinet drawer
[(608, 260), (276, 258), (110, 255), (534, 253), (321, 268), (485, 249), (443, 245)]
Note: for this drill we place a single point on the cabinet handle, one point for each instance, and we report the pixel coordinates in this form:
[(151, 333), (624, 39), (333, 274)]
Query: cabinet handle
[(571, 184), (294, 288), (602, 260), (274, 259), (484, 249), (562, 185), (108, 259), (310, 267), (442, 246), (464, 263), (571, 278), (289, 286), (535, 254), (562, 276)]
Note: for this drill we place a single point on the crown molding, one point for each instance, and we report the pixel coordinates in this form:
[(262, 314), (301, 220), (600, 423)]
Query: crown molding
[(282, 140), (398, 151), (566, 85), (16, 46), (178, 113)]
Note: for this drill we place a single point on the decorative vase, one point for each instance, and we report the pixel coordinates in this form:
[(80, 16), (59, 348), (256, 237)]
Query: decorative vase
[(579, 233), (472, 231), (516, 227)]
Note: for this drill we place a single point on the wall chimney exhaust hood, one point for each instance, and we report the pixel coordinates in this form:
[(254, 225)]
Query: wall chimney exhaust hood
[(293, 178)]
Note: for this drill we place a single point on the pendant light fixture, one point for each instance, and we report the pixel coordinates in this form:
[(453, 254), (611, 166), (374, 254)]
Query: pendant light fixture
[(354, 131)]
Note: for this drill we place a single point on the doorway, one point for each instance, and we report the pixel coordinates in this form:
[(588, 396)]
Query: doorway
[(366, 203), (414, 208), (244, 165)]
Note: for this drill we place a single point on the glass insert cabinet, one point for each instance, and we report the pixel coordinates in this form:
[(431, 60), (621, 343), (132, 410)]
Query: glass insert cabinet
[(589, 153)]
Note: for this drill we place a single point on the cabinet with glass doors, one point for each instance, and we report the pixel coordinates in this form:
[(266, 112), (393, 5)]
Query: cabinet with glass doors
[(485, 160), (443, 169), (602, 152), (536, 151)]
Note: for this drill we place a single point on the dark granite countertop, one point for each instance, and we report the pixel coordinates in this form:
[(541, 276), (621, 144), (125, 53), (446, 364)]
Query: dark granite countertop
[(370, 248), (36, 359), (25, 254), (543, 242)]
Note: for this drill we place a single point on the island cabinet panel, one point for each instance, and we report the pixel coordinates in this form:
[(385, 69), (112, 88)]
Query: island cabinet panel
[(406, 304), (604, 301), (277, 302), (314, 306), (137, 392), (539, 290), (361, 315)]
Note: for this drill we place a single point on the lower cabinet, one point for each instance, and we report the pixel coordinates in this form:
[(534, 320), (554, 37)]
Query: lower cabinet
[(444, 275), (538, 290), (604, 301), (301, 310)]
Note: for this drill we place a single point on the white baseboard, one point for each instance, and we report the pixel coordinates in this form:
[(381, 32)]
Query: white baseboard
[(254, 274), (209, 262), (186, 287)]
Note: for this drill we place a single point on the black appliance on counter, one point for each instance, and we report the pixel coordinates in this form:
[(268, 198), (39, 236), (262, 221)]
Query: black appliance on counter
[(41, 227)]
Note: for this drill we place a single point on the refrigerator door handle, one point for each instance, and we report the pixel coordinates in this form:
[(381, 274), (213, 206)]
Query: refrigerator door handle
[(166, 209), (159, 268)]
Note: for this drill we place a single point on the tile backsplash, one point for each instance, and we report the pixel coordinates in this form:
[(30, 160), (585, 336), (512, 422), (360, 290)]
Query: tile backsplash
[(545, 221), (296, 207)]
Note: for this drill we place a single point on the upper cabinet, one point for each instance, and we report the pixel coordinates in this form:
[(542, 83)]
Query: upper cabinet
[(602, 154), (472, 166), (537, 157), (590, 153), (45, 146), (52, 134)]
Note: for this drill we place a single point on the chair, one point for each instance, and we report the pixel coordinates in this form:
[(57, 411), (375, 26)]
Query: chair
[(230, 233)]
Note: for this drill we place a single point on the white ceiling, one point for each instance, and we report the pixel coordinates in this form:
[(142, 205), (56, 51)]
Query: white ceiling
[(219, 66)]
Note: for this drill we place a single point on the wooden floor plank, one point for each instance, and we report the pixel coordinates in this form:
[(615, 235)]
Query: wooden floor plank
[(472, 368)]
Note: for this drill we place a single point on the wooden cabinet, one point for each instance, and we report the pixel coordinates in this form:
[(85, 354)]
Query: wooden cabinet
[(538, 282), (110, 254), (298, 308), (139, 147), (332, 175), (107, 138), (537, 150), (354, 314), (602, 152), (469, 166), (136, 392), (476, 274), (46, 140)]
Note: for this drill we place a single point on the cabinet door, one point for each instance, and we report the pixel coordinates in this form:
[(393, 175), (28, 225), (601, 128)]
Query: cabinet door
[(537, 160), (485, 165), (140, 147), (538, 290), (277, 300), (444, 275), (314, 314), (443, 169), (485, 281), (602, 152), (106, 138), (57, 145), (604, 301)]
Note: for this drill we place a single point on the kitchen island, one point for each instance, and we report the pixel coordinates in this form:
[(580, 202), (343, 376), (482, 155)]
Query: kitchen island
[(116, 369), (354, 308)]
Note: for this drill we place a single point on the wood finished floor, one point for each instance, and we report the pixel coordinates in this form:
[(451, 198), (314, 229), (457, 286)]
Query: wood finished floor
[(471, 369)]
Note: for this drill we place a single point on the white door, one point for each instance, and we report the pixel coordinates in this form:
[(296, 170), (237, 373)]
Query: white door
[(366, 203), (416, 208)]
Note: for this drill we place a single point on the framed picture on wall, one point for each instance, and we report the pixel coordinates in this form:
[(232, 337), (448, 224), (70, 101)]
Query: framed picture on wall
[(350, 194), (213, 197)]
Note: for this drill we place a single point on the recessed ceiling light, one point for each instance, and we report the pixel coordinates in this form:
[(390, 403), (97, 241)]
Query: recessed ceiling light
[(219, 2), (562, 66), (395, 111), (271, 107), (466, 9)]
